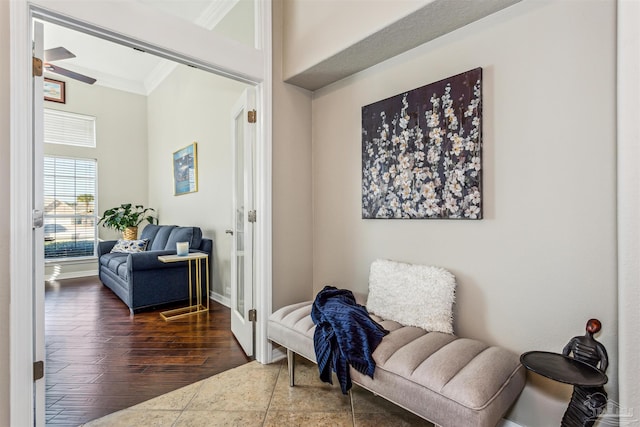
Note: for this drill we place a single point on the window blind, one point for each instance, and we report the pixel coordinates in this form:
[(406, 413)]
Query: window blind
[(62, 127), (69, 207)]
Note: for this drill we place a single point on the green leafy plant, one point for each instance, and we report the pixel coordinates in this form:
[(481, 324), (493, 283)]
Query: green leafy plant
[(127, 215)]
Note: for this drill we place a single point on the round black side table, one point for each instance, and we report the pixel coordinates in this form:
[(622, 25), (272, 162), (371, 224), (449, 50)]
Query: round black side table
[(588, 395)]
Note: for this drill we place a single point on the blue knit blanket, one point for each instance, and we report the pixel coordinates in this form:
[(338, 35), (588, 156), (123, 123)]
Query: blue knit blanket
[(345, 335)]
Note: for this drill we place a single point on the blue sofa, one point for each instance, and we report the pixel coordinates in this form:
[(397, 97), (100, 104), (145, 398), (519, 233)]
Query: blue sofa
[(140, 279)]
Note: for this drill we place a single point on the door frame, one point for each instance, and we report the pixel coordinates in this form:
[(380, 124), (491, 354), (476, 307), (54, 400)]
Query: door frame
[(628, 148), (39, 347), (108, 21)]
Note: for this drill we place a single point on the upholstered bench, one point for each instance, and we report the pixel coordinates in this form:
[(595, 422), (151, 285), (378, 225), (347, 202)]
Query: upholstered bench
[(444, 379)]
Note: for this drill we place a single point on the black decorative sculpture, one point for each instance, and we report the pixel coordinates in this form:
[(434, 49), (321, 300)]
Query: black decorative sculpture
[(587, 403)]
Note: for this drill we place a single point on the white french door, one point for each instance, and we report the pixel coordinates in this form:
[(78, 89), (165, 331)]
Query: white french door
[(244, 217)]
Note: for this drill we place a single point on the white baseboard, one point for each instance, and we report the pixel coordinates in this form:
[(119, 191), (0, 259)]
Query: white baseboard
[(70, 275), (278, 353), (221, 299), (507, 423)]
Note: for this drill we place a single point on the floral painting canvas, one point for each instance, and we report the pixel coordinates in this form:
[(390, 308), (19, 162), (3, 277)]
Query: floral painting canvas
[(422, 152)]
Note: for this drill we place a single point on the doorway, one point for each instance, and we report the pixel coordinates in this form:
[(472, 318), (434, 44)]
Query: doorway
[(106, 20), (131, 130)]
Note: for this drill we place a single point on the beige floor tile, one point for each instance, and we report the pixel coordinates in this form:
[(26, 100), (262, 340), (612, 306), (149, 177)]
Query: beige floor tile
[(366, 402), (132, 417), (310, 419), (176, 400), (372, 410), (405, 419), (246, 388), (221, 418), (259, 395), (309, 394)]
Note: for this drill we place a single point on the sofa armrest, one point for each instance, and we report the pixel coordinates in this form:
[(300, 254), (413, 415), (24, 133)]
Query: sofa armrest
[(149, 260), (206, 246), (105, 247)]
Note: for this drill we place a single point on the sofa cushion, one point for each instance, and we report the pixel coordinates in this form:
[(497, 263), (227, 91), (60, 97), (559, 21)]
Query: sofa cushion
[(162, 235), (122, 271), (149, 232), (193, 235), (165, 237), (413, 295), (114, 261), (130, 246)]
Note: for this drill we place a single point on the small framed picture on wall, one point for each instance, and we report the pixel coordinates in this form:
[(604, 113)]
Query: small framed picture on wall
[(54, 90), (185, 170)]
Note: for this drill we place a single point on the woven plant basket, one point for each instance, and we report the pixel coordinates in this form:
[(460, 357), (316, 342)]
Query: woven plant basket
[(130, 233)]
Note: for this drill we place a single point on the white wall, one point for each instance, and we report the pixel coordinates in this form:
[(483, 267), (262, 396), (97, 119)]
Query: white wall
[(195, 106), (316, 30), (5, 220), (292, 201), (121, 142), (121, 151), (238, 24), (543, 259)]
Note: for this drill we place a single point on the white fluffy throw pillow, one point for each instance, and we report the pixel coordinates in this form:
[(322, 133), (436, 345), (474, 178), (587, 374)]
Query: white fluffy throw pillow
[(413, 295)]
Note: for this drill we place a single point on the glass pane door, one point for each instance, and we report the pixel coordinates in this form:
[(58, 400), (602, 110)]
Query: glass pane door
[(242, 269), (240, 214)]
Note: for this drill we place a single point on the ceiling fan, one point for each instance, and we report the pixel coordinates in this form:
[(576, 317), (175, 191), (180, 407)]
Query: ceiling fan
[(58, 53)]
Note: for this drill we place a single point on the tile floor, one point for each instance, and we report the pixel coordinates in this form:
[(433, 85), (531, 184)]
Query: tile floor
[(259, 395)]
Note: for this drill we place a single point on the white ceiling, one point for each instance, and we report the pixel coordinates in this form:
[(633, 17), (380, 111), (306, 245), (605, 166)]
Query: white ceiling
[(124, 68)]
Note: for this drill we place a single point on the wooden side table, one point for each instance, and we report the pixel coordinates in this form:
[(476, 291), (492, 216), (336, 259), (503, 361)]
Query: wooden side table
[(195, 258)]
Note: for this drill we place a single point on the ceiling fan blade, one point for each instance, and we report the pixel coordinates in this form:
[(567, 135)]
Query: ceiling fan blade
[(68, 73), (57, 53)]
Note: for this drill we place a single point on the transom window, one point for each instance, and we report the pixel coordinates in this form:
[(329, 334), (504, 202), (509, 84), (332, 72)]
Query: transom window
[(63, 127)]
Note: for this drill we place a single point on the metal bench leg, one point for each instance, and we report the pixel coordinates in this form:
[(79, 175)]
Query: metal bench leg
[(291, 364)]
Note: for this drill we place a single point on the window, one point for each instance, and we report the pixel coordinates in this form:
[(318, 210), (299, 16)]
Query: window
[(62, 127), (69, 207)]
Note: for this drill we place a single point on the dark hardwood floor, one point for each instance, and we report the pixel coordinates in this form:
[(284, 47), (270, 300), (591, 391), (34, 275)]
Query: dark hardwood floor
[(101, 359)]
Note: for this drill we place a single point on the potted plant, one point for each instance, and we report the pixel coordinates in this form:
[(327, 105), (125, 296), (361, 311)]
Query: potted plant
[(126, 218)]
